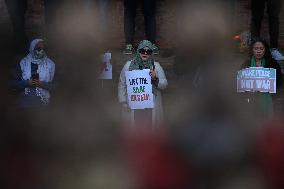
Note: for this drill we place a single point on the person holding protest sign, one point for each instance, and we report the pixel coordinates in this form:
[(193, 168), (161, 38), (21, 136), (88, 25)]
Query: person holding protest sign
[(143, 60), (260, 56)]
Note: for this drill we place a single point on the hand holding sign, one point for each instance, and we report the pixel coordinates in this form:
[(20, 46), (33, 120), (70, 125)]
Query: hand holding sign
[(153, 74), (126, 108)]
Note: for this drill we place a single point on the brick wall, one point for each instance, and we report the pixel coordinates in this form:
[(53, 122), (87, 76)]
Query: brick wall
[(242, 20), (165, 20)]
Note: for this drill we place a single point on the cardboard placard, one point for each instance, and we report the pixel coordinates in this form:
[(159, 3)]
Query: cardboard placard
[(139, 89), (106, 68), (257, 79)]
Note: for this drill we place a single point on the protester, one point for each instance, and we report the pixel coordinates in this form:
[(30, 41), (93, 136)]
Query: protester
[(149, 12), (17, 10), (273, 10), (34, 76), (144, 60), (260, 56)]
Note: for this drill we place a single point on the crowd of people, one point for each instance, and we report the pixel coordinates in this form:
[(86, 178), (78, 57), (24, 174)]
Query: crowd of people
[(17, 10), (194, 145)]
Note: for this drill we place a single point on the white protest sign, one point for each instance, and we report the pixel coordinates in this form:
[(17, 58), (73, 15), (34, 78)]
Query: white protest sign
[(257, 79), (139, 89), (106, 69)]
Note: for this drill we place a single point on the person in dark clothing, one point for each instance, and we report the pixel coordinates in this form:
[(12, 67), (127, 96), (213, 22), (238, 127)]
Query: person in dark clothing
[(17, 10), (273, 10), (149, 11), (50, 7)]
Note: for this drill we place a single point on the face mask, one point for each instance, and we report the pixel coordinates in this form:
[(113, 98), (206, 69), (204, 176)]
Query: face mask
[(39, 54)]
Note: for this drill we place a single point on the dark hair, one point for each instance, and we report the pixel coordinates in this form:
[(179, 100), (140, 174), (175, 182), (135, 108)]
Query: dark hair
[(267, 55), (270, 62)]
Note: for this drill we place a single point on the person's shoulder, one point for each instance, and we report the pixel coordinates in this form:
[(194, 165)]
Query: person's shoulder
[(25, 58), (125, 67), (273, 63), (127, 64), (157, 63), (50, 62)]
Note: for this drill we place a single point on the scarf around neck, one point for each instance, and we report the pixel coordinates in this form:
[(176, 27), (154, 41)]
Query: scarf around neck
[(253, 62), (138, 64)]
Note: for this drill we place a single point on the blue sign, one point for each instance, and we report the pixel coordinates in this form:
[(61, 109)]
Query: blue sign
[(256, 79)]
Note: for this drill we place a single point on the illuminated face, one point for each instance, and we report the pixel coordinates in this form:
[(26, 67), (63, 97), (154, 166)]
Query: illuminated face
[(258, 50), (145, 53)]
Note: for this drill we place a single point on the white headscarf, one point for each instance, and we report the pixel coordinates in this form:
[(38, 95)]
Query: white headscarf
[(46, 69), (34, 43)]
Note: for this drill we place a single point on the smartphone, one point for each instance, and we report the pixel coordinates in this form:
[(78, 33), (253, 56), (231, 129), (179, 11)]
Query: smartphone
[(35, 76)]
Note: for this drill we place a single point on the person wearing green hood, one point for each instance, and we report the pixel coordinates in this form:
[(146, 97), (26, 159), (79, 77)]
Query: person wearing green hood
[(260, 56), (143, 60)]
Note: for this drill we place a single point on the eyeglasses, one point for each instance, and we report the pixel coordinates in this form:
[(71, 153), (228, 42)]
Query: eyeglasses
[(145, 51)]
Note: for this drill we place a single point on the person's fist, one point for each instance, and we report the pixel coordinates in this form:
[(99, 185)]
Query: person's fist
[(37, 83), (31, 83), (153, 74)]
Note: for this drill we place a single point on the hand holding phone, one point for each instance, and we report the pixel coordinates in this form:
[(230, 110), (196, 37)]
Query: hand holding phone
[(35, 76)]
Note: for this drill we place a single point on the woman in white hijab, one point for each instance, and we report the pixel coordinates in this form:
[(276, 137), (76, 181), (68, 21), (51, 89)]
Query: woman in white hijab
[(34, 76)]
